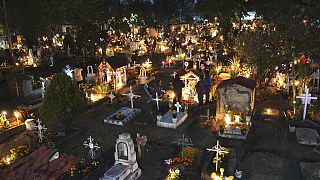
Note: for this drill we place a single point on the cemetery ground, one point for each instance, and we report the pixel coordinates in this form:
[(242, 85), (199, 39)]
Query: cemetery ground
[(269, 150)]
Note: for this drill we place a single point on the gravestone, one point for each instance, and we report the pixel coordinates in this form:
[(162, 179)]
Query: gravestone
[(122, 116), (126, 166), (168, 121)]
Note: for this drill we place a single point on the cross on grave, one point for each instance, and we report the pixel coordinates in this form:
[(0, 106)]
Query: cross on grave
[(157, 101), (306, 99), (178, 106), (92, 146), (183, 141), (111, 96), (219, 151), (41, 129), (287, 85), (131, 96), (148, 61)]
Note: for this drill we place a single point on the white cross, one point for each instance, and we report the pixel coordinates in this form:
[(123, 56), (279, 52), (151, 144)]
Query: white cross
[(131, 96), (306, 99), (287, 81), (92, 146), (178, 106), (111, 96), (41, 129), (218, 149), (148, 61), (157, 100)]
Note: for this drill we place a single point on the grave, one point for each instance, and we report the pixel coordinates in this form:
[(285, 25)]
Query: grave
[(235, 103), (126, 166), (307, 136), (172, 119), (144, 78), (122, 116)]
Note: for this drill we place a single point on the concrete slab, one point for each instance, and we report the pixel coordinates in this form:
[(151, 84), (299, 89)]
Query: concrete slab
[(307, 136), (129, 114)]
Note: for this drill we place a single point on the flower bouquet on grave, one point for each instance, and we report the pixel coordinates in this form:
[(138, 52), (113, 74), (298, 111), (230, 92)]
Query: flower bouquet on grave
[(15, 153), (83, 168), (119, 116)]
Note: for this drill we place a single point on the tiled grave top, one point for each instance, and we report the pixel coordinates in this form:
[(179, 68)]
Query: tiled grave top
[(129, 113)]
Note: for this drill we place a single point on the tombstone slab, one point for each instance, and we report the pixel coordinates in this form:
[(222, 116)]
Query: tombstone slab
[(125, 114), (126, 166), (168, 121), (307, 136)]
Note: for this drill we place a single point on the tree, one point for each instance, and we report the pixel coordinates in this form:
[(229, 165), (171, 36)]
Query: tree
[(263, 51), (62, 102)]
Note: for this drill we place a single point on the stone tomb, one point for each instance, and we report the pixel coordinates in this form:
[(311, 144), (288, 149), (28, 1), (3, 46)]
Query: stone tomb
[(126, 166), (167, 121), (122, 116), (307, 136)]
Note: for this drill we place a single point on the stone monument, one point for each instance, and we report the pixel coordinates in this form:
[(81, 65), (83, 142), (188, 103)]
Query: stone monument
[(126, 166)]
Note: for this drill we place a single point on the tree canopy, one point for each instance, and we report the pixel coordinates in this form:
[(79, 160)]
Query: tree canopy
[(62, 101)]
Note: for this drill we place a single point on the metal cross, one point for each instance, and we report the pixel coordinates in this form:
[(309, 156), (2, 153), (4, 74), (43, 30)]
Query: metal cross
[(306, 99), (178, 106), (219, 150), (41, 129), (92, 146), (183, 141), (157, 101), (131, 96), (111, 96)]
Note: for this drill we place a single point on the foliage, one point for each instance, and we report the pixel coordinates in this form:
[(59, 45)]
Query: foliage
[(101, 88), (63, 100), (83, 168), (15, 154)]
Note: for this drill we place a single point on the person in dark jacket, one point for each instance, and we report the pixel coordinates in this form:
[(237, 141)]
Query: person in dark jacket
[(200, 88), (207, 80), (177, 87)]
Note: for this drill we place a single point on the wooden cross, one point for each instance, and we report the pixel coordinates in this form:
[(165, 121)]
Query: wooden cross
[(92, 146), (131, 96), (306, 99), (183, 141), (219, 150)]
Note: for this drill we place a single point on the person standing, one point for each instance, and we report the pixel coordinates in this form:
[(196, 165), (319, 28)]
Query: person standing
[(177, 87), (200, 88), (207, 80)]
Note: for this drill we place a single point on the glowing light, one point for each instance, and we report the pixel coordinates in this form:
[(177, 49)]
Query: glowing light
[(227, 119), (296, 83), (237, 118), (269, 111), (96, 97)]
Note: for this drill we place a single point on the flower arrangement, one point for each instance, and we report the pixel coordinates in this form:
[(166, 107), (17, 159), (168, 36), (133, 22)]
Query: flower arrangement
[(83, 168), (15, 153), (189, 156)]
